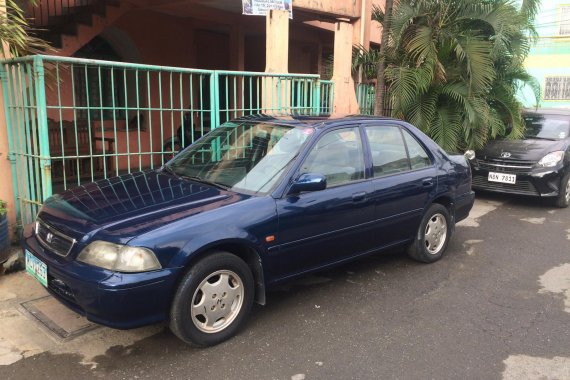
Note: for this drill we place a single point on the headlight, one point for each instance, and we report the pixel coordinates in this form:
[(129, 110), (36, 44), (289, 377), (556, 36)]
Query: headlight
[(551, 159), (120, 258)]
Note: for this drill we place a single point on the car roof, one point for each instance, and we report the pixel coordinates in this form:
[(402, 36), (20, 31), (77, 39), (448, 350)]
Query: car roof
[(309, 121)]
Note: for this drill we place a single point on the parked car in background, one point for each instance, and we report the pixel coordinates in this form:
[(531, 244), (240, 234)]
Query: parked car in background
[(537, 165), (253, 203)]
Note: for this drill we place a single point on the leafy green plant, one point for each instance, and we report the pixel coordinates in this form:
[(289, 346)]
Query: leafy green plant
[(453, 67), (365, 60), (3, 209), (17, 33)]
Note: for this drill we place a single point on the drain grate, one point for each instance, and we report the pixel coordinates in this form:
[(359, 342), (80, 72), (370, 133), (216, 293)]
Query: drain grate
[(58, 319)]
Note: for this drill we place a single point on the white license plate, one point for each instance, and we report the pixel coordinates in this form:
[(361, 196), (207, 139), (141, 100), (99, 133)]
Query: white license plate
[(36, 268), (502, 177)]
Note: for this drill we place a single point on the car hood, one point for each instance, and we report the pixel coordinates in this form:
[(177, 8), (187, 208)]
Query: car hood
[(524, 150), (126, 206)]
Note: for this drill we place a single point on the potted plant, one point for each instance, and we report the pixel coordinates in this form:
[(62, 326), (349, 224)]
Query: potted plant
[(4, 235)]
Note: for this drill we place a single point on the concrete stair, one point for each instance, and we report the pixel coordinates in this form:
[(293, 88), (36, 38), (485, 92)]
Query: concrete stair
[(70, 31)]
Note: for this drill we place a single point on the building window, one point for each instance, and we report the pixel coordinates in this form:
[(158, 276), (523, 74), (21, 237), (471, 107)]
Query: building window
[(557, 88), (565, 20)]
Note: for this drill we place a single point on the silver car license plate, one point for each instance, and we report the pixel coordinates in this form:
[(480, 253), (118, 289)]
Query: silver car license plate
[(502, 177)]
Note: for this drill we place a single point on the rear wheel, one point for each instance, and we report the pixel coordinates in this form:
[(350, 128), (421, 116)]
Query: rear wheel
[(432, 236), (563, 198), (213, 300)]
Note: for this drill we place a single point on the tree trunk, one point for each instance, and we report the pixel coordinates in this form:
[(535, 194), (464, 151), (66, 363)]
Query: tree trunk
[(380, 83)]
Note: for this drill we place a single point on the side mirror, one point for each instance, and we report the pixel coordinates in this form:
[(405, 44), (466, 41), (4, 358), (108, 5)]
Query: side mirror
[(308, 182)]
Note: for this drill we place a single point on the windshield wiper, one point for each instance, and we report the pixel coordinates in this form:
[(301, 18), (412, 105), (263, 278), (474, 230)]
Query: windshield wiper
[(207, 182)]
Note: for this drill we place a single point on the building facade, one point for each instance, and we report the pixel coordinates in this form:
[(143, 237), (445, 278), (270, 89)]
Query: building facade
[(127, 74), (549, 59)]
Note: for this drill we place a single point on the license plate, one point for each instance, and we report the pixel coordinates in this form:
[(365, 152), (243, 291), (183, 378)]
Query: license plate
[(502, 177), (36, 268)]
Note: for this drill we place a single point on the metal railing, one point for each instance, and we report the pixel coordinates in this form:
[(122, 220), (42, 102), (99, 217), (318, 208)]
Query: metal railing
[(72, 121), (365, 98), (326, 98)]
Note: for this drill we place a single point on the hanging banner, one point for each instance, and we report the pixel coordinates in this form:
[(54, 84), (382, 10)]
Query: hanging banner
[(261, 7)]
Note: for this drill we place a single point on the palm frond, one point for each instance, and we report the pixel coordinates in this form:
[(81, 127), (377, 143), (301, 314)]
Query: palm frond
[(421, 113), (402, 17), (446, 127), (17, 33), (377, 14), (421, 46), (365, 59), (474, 53)]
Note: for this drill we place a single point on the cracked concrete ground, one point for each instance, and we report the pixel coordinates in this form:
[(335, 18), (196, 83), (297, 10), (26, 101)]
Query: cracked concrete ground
[(494, 307)]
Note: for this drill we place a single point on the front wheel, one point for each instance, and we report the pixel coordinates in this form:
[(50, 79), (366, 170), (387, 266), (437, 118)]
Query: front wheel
[(563, 198), (432, 236), (213, 300)]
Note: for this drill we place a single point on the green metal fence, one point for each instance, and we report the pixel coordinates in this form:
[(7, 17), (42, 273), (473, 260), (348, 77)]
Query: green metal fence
[(72, 121), (365, 98)]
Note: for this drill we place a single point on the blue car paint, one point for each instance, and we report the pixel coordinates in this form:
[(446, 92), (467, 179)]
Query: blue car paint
[(113, 299), (174, 218)]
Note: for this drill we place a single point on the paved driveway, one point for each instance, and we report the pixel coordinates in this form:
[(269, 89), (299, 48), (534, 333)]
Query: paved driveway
[(496, 306)]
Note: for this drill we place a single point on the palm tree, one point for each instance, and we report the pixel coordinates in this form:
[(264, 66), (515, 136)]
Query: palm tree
[(454, 67), (386, 19), (16, 34)]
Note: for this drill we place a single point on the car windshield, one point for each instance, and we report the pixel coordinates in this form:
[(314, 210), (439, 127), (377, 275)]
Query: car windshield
[(550, 127), (245, 157)]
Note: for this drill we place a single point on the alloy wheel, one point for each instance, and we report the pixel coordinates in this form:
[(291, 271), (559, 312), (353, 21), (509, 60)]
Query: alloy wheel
[(435, 233), (217, 301)]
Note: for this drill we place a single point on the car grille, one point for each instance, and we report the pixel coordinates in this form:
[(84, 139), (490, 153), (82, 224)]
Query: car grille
[(52, 239), (505, 166), (523, 187)]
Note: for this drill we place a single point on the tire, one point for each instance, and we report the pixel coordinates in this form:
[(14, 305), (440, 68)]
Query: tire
[(563, 198), (427, 247), (213, 300)]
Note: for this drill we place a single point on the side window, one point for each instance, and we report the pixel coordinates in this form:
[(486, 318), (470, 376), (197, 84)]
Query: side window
[(338, 156), (388, 150), (418, 156)]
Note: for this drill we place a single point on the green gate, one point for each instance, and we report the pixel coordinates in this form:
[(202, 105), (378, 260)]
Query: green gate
[(71, 121), (365, 98)]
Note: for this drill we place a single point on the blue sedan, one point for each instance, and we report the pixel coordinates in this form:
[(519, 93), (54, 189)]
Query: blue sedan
[(253, 203)]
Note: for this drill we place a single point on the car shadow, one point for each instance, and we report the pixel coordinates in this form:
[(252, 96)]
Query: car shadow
[(515, 200)]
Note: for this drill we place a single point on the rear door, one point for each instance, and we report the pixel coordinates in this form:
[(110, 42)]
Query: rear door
[(404, 182)]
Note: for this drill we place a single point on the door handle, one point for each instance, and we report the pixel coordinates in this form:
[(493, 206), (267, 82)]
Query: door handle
[(427, 182), (359, 197)]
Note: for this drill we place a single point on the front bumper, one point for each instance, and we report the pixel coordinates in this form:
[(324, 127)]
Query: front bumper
[(535, 182), (118, 300)]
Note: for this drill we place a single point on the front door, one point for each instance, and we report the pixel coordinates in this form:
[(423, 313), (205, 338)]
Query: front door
[(322, 227)]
